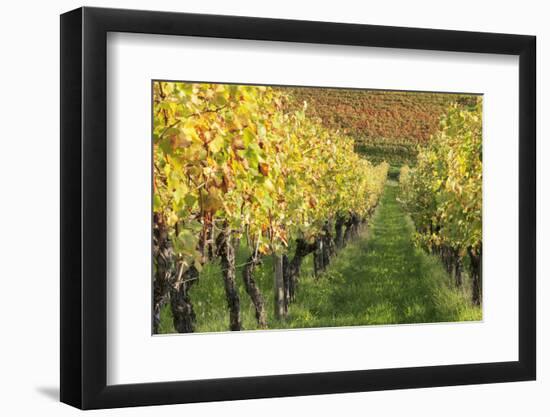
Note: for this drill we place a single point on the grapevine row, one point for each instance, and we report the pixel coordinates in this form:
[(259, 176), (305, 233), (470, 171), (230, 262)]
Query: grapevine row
[(235, 164), (443, 194)]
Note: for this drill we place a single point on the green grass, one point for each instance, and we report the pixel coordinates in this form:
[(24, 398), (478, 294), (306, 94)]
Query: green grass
[(380, 278)]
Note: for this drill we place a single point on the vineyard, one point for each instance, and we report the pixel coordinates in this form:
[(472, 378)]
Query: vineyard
[(268, 213), (386, 125)]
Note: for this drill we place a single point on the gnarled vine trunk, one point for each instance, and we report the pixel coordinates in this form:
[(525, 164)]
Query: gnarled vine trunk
[(349, 231), (180, 302), (457, 268), (226, 253), (447, 259), (475, 271), (329, 247), (164, 268), (356, 224), (303, 248), (318, 257), (286, 281), (339, 227), (254, 291), (279, 286)]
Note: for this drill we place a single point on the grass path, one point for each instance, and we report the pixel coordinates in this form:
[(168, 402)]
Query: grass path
[(383, 279), (380, 278)]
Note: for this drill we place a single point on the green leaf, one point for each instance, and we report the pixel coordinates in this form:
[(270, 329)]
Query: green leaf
[(166, 146), (188, 240), (190, 200), (157, 203)]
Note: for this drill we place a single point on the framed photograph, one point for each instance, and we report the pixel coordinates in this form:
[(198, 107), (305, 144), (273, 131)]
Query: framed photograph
[(256, 208)]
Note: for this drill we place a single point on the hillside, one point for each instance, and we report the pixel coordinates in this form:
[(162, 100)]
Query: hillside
[(385, 124)]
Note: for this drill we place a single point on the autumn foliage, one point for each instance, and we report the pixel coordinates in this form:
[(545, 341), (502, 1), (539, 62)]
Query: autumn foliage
[(238, 162), (443, 193)]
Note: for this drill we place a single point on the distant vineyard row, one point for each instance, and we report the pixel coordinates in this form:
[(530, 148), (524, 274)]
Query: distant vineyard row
[(395, 153)]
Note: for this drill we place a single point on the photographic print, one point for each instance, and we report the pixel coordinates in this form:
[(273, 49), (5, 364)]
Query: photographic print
[(279, 207)]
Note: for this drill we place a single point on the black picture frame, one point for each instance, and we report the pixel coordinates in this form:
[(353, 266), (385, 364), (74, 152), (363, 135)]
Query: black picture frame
[(84, 207)]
